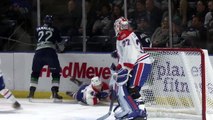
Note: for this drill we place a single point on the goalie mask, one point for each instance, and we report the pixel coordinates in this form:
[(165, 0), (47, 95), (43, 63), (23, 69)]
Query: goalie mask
[(95, 81), (121, 24)]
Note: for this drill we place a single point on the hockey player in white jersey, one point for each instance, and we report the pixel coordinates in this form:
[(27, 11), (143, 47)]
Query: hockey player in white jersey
[(134, 66), (7, 94), (93, 93)]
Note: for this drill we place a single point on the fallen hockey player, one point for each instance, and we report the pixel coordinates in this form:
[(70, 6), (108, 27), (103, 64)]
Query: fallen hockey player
[(90, 94)]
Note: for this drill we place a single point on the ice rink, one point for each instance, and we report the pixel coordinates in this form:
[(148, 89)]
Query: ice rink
[(44, 109)]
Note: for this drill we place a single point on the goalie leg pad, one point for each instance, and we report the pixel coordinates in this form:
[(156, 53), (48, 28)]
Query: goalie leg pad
[(140, 74), (127, 104)]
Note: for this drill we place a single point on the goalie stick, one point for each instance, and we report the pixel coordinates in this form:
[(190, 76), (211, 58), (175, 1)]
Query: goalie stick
[(111, 83), (110, 106)]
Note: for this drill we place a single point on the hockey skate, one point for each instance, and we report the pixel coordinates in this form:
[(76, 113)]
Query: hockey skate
[(137, 115), (31, 94), (140, 102), (16, 105), (56, 98), (140, 114)]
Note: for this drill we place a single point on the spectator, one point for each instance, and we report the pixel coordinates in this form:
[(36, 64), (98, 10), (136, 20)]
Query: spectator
[(177, 40), (138, 14), (103, 22), (117, 12), (72, 20), (20, 10), (160, 37), (195, 35), (153, 15), (96, 5), (209, 15), (131, 5), (201, 9), (209, 25), (143, 26)]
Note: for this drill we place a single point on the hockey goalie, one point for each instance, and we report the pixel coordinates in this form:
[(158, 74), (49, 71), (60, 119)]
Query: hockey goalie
[(134, 66)]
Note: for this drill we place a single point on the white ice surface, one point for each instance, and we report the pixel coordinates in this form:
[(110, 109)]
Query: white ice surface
[(44, 109)]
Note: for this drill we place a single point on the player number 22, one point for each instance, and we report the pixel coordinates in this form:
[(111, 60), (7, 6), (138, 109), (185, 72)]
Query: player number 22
[(46, 34)]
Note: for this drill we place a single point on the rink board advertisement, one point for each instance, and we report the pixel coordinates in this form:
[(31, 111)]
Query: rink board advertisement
[(16, 68), (174, 78)]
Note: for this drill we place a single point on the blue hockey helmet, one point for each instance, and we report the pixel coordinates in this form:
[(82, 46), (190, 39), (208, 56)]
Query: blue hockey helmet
[(48, 19)]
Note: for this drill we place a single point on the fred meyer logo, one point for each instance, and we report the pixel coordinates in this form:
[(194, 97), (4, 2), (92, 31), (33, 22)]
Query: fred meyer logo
[(79, 70)]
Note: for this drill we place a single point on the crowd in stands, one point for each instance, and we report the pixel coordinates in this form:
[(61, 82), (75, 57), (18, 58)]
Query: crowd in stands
[(16, 25), (192, 21)]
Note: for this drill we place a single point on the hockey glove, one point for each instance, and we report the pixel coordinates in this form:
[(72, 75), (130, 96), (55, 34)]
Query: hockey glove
[(61, 45), (114, 54), (92, 93), (113, 67), (102, 95)]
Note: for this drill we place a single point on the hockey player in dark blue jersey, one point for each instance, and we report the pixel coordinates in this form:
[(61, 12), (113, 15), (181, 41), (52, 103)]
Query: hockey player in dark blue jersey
[(48, 41)]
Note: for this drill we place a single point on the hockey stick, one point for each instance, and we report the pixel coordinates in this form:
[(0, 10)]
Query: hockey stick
[(111, 83), (110, 107), (76, 81)]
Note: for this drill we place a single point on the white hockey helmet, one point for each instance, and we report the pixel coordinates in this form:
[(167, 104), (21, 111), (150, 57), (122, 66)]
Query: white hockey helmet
[(95, 81), (121, 24)]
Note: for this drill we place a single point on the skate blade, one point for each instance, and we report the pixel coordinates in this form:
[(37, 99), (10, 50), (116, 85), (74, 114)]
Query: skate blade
[(57, 100), (30, 99)]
